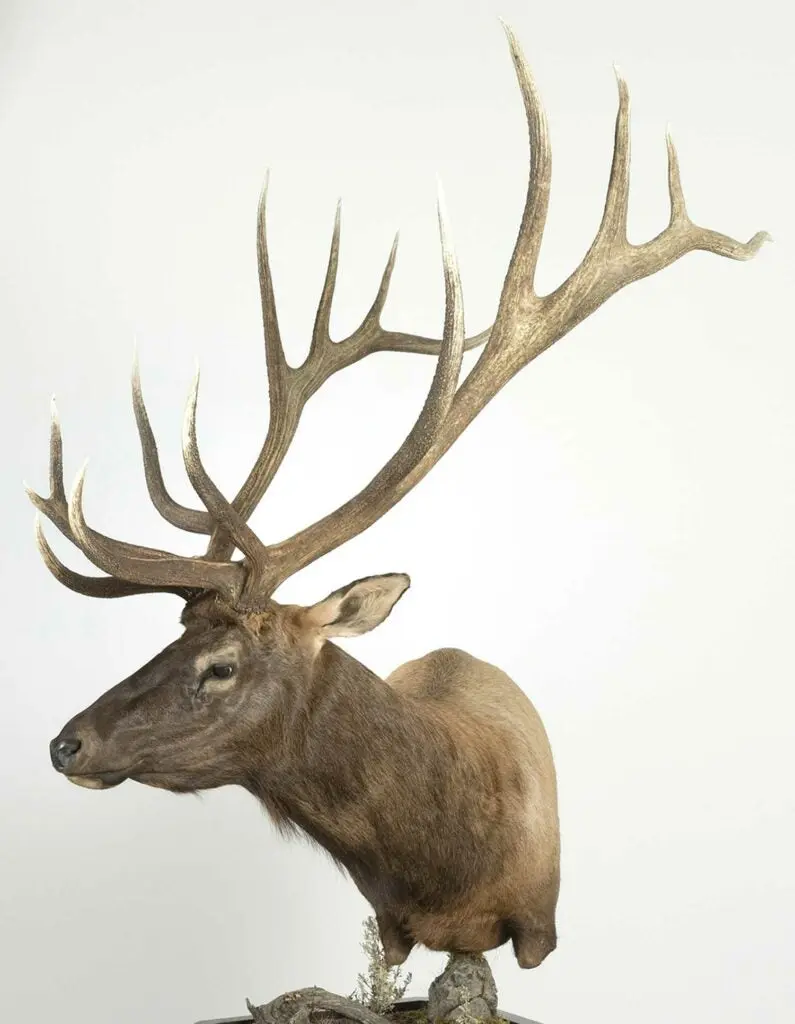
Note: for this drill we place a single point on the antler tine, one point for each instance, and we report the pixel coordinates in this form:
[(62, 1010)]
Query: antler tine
[(519, 280), (390, 483), (320, 332), (55, 508), (57, 490), (370, 336), (172, 511), (95, 586), (137, 564), (274, 352), (285, 405), (613, 226), (374, 312), (222, 511)]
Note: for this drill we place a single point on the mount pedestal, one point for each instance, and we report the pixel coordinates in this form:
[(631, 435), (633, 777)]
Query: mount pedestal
[(464, 990)]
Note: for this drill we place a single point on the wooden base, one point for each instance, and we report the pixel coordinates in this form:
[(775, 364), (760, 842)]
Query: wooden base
[(403, 1004)]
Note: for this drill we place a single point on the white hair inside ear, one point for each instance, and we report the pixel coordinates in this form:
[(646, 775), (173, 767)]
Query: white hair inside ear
[(358, 607)]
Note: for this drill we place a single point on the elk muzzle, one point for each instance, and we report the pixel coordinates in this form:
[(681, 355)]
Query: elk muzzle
[(68, 756)]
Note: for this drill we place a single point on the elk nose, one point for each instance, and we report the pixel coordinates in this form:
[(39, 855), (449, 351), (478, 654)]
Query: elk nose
[(62, 752)]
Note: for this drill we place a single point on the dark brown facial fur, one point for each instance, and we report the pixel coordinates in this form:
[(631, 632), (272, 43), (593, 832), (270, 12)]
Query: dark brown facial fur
[(184, 720)]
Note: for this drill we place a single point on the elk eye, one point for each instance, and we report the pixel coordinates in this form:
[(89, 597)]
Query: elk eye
[(222, 671)]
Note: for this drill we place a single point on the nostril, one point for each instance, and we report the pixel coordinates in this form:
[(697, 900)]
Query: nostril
[(62, 751), (67, 748)]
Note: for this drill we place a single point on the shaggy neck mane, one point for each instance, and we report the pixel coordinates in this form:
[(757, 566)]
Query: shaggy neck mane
[(355, 752)]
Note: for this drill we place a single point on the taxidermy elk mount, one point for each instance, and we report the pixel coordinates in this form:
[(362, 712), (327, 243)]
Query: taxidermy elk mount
[(255, 693)]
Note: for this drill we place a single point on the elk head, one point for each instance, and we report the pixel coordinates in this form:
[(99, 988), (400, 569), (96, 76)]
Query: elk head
[(229, 688), (234, 683)]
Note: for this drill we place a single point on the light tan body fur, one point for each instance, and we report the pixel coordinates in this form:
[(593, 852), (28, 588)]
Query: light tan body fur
[(483, 710)]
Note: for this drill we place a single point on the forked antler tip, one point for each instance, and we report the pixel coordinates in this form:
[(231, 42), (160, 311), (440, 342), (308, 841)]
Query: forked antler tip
[(440, 203), (189, 419), (33, 496), (623, 87), (393, 251), (76, 496), (75, 510), (40, 504), (670, 145), (335, 246), (520, 62), (41, 541), (753, 245), (444, 223), (48, 556), (135, 376), (676, 193), (263, 192), (43, 545), (514, 45), (509, 32)]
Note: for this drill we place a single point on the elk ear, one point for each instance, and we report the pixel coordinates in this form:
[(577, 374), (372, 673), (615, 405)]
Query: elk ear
[(357, 608)]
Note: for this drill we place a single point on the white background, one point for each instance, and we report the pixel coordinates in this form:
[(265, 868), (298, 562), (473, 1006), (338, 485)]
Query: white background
[(615, 530)]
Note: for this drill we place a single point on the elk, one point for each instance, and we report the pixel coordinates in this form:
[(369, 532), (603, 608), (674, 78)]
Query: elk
[(434, 788)]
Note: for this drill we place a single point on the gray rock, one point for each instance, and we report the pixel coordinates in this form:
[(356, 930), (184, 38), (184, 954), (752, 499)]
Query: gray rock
[(465, 988)]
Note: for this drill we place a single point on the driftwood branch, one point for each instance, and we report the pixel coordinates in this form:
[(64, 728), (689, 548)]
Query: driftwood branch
[(464, 990), (296, 1007)]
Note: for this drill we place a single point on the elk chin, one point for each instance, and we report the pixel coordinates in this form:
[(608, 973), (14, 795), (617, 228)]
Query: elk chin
[(168, 781), (107, 780)]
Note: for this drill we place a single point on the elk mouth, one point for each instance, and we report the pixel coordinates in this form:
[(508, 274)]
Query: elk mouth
[(98, 780), (109, 780)]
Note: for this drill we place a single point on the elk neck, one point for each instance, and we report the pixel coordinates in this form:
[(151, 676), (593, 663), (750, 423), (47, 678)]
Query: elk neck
[(342, 763)]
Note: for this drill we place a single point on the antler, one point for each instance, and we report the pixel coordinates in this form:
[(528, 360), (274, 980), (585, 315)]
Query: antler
[(525, 326), (135, 569), (290, 388), (526, 323), (56, 508)]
